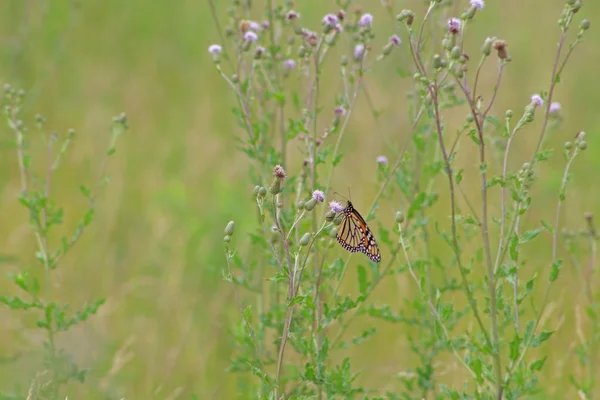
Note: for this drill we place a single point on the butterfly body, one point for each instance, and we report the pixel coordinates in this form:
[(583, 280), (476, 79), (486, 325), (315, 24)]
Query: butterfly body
[(354, 235)]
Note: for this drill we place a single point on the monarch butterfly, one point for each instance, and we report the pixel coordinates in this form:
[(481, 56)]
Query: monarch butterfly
[(354, 234)]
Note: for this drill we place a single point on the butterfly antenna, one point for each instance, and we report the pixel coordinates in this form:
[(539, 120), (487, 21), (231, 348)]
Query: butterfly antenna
[(341, 195)]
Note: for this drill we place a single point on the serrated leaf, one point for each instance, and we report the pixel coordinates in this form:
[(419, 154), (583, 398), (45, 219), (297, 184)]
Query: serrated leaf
[(538, 364), (337, 159)]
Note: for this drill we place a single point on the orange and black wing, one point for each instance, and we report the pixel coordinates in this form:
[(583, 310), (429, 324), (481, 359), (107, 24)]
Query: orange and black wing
[(354, 235)]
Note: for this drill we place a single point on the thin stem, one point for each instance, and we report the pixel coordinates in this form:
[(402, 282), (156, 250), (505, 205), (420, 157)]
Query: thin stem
[(485, 233), (527, 345), (345, 123), (290, 308), (456, 247), (431, 305)]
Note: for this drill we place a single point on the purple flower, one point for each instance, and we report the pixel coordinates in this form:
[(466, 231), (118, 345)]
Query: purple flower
[(395, 40), (254, 26), (366, 21), (339, 28), (289, 64), (330, 20), (555, 107), (359, 50), (537, 101), (292, 15), (259, 52), (265, 24), (339, 111), (382, 160), (454, 25), (250, 36), (477, 4), (318, 195), (336, 207), (215, 49)]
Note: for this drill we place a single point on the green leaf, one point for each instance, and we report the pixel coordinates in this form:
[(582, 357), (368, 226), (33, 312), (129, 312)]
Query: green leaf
[(363, 284), (555, 269), (545, 335), (86, 192), (515, 345), (530, 235), (547, 226), (337, 159), (538, 364), (417, 204)]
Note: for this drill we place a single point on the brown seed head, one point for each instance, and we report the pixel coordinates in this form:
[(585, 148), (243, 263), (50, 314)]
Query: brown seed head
[(500, 46)]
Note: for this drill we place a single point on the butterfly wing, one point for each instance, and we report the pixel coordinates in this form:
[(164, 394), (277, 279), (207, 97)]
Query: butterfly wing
[(354, 234)]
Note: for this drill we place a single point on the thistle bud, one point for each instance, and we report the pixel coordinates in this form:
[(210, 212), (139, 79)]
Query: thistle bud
[(437, 61), (227, 239), (455, 53), (305, 239), (310, 204), (262, 192), (330, 216), (333, 232), (230, 228), (585, 24), (486, 49), (275, 186), (399, 217)]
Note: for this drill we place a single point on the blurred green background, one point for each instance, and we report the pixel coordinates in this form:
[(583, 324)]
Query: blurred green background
[(155, 248)]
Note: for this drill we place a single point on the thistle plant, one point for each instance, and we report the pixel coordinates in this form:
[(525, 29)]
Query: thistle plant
[(36, 293), (476, 316)]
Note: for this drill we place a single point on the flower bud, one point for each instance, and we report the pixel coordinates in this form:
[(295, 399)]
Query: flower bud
[(509, 114), (310, 204), (582, 145), (437, 61), (406, 15), (262, 192), (486, 49), (333, 232), (275, 186), (585, 24), (337, 220), (255, 190), (399, 217), (568, 145), (330, 216), (227, 239), (305, 239), (455, 53), (230, 228), (300, 204)]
